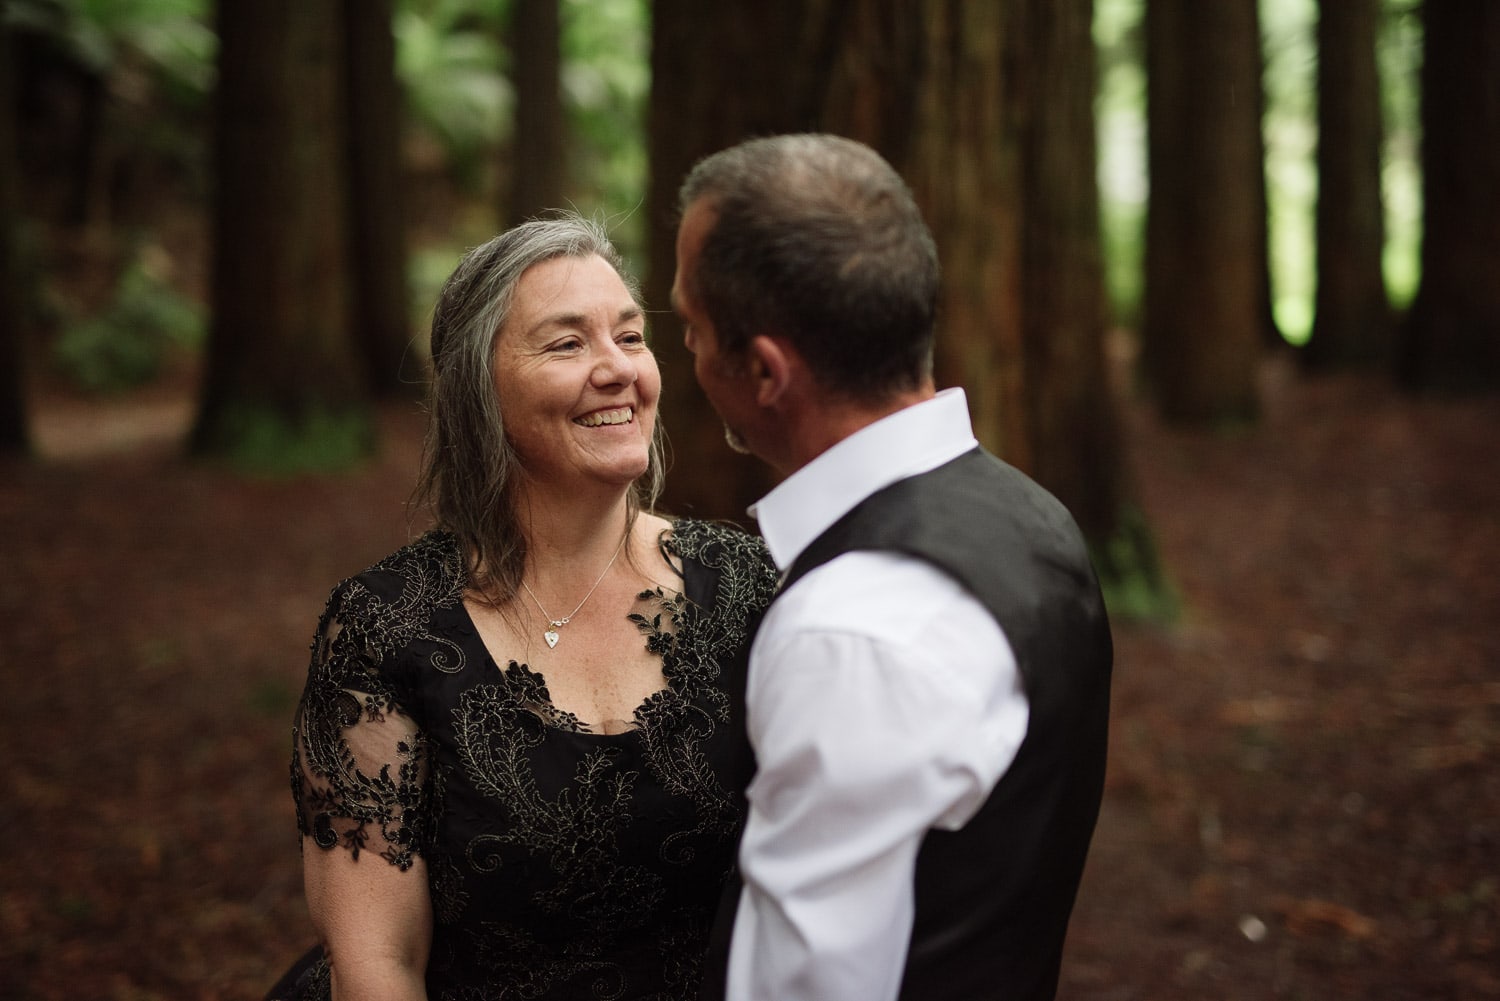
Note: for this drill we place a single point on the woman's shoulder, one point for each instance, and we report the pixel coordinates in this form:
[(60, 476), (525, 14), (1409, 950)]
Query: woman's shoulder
[(435, 552), (737, 564), (425, 573), (378, 613), (695, 539)]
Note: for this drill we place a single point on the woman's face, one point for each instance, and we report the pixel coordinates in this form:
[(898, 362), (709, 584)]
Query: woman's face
[(578, 386)]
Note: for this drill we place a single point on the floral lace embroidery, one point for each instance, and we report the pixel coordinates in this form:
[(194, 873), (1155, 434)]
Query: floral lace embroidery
[(385, 752)]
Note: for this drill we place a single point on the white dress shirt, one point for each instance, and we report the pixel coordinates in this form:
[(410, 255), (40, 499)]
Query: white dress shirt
[(883, 700)]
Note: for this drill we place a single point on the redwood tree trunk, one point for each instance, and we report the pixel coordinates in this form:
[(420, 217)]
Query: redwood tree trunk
[(987, 110), (283, 384), (1352, 324), (538, 173), (1071, 415), (1452, 339), (381, 311), (967, 172), (14, 438), (993, 125), (715, 79), (1203, 331)]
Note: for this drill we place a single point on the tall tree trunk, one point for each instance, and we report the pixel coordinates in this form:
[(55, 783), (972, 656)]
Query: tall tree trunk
[(1270, 333), (964, 165), (381, 302), (1203, 329), (283, 385), (987, 110), (1353, 323), (1452, 338), (538, 174), (715, 80), (1071, 413), (14, 437)]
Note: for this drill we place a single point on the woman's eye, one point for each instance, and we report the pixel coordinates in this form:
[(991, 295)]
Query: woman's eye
[(633, 337), (565, 345)]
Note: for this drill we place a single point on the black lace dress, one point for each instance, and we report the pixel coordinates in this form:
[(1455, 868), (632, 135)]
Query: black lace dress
[(561, 863)]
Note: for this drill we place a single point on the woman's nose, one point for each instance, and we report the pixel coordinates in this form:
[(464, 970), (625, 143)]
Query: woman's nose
[(613, 366)]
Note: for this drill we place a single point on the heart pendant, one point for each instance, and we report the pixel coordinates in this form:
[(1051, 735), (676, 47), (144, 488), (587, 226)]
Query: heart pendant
[(550, 636)]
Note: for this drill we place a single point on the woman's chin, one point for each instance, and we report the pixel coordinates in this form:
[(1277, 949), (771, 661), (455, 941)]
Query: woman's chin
[(620, 473)]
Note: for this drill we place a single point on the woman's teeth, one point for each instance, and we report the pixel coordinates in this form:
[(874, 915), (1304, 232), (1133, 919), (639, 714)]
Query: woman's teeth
[(621, 416)]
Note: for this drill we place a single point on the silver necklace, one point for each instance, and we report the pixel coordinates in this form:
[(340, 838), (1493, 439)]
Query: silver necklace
[(553, 625)]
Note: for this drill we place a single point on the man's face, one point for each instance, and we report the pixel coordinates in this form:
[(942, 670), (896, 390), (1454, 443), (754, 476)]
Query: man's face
[(721, 376)]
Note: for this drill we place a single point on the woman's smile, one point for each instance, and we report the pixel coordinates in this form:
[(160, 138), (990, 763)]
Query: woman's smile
[(617, 415), (577, 384)]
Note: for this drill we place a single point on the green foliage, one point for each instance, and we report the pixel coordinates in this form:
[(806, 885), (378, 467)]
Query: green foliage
[(264, 440), (606, 79), (157, 653), (1289, 41), (1136, 588), (1400, 64), (448, 61), (130, 340), (173, 39), (1121, 126), (427, 269), (1291, 129), (451, 68), (273, 698), (1288, 29), (77, 908)]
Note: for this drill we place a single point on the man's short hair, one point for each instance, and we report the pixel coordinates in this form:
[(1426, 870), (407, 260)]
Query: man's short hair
[(817, 238)]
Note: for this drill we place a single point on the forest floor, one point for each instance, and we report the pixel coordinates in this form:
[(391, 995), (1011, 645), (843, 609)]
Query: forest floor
[(1304, 790)]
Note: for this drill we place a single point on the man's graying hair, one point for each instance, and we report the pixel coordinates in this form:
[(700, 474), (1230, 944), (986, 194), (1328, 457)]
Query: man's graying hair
[(470, 472), (818, 239)]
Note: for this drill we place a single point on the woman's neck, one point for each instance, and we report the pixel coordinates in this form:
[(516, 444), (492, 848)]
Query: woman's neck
[(570, 534)]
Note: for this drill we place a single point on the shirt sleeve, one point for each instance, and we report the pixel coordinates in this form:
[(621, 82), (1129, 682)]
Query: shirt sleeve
[(359, 769), (883, 700)]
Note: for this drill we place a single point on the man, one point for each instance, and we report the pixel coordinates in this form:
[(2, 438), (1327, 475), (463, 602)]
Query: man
[(928, 694)]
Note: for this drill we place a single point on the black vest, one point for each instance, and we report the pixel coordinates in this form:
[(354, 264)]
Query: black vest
[(993, 898)]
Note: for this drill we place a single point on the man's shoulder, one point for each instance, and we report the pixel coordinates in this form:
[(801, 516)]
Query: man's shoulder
[(883, 595)]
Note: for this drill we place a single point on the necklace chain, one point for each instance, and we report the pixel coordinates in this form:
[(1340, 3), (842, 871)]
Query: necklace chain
[(553, 625)]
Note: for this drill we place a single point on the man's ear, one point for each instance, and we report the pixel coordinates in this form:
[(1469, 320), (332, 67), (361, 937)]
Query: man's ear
[(773, 364)]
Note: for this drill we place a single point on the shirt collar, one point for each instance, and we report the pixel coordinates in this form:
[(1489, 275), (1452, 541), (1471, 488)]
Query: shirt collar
[(910, 441)]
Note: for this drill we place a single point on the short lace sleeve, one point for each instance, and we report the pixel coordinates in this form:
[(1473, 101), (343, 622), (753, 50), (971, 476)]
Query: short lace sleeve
[(359, 760)]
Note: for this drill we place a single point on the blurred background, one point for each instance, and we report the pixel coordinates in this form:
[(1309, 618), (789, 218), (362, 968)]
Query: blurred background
[(1222, 276)]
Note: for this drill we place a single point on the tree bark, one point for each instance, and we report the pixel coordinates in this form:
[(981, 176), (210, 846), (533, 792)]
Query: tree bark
[(1353, 323), (381, 303), (1205, 309), (967, 172), (1076, 445), (987, 110), (715, 80), (1270, 333), (14, 433), (539, 153), (1451, 343), (283, 385)]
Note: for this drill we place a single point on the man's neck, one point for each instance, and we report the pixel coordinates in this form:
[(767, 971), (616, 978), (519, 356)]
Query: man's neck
[(821, 422)]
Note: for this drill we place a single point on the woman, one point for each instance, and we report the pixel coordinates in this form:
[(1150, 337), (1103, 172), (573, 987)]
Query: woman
[(514, 761)]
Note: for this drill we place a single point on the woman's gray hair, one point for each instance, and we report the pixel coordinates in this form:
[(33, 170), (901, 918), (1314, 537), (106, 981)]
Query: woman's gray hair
[(470, 472)]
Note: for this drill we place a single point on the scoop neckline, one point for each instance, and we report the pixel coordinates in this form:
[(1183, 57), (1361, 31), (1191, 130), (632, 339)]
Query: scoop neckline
[(660, 598)]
